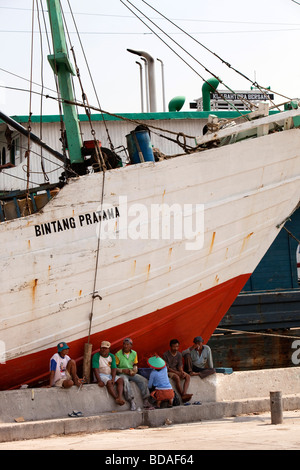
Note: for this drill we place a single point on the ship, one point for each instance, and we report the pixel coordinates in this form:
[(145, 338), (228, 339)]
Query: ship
[(153, 250)]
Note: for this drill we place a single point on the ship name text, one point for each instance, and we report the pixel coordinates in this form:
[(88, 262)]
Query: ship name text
[(81, 220)]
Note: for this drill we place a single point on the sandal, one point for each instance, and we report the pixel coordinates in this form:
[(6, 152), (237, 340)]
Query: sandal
[(75, 414)]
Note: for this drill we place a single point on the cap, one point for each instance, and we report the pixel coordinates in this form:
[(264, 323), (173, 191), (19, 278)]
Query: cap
[(156, 362), (62, 346), (127, 340), (198, 339), (105, 344)]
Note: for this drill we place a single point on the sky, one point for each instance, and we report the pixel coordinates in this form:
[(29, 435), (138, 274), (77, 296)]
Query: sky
[(259, 38)]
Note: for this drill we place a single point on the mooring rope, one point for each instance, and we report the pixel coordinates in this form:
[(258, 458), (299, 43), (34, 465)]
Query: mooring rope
[(94, 294), (256, 333)]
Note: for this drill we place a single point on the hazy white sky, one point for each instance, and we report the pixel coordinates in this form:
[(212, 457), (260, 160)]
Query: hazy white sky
[(260, 38)]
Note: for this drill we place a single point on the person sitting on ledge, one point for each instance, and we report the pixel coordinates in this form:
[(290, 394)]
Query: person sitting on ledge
[(104, 367), (160, 381), (127, 368), (174, 363), (63, 371), (198, 359)]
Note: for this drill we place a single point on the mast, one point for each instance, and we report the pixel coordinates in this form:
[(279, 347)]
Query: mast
[(63, 68)]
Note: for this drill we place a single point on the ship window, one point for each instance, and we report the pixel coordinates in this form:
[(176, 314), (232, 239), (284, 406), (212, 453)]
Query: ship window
[(15, 151)]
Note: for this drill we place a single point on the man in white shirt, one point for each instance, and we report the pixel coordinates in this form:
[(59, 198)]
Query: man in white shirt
[(63, 371), (198, 359)]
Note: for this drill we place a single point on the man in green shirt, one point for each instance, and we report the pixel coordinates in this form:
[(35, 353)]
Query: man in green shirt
[(127, 368), (104, 367)]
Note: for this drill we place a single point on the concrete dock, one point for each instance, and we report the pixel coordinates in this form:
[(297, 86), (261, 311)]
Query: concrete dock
[(42, 412)]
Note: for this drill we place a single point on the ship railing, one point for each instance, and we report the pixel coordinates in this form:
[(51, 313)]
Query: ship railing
[(15, 204), (257, 127)]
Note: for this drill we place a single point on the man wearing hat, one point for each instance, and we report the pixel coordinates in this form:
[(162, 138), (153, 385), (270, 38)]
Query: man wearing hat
[(127, 368), (63, 371), (198, 359), (160, 381), (104, 367)]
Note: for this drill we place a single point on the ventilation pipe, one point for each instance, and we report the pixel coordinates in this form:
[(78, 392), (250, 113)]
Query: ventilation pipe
[(209, 86), (151, 77), (141, 85), (146, 83), (163, 84), (176, 103)]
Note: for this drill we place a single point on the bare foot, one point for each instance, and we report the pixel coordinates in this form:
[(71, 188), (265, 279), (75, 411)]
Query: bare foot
[(186, 397), (120, 401)]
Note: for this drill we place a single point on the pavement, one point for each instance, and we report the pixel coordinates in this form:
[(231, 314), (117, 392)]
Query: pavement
[(234, 412), (246, 432)]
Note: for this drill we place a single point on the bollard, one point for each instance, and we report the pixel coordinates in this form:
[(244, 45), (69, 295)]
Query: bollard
[(276, 407), (87, 362)]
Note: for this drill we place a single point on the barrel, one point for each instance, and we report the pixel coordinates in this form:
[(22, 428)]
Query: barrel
[(139, 147)]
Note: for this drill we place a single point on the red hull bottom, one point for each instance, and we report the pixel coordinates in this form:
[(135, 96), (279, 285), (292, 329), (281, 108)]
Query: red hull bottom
[(194, 316)]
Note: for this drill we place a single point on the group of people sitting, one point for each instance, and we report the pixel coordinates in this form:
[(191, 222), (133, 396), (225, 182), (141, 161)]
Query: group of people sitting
[(117, 371)]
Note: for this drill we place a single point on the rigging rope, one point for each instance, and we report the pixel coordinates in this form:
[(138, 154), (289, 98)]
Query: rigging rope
[(255, 84), (70, 45), (99, 156), (27, 153), (100, 159), (291, 235), (62, 125), (46, 178), (256, 333), (151, 126), (94, 294), (181, 58), (91, 78)]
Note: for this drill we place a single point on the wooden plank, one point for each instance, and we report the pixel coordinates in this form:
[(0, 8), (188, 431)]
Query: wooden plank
[(251, 352), (259, 311)]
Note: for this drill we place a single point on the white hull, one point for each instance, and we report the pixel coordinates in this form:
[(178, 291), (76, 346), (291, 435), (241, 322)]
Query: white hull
[(247, 189)]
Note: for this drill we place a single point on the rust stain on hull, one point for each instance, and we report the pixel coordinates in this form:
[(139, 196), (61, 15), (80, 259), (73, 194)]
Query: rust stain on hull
[(33, 287), (212, 242), (133, 268), (245, 241)]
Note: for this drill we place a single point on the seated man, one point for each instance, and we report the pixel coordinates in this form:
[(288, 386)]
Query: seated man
[(159, 379), (127, 367), (104, 367), (198, 359), (174, 363), (63, 371)]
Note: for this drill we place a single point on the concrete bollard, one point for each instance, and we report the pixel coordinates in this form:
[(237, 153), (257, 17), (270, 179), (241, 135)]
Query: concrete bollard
[(276, 407)]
